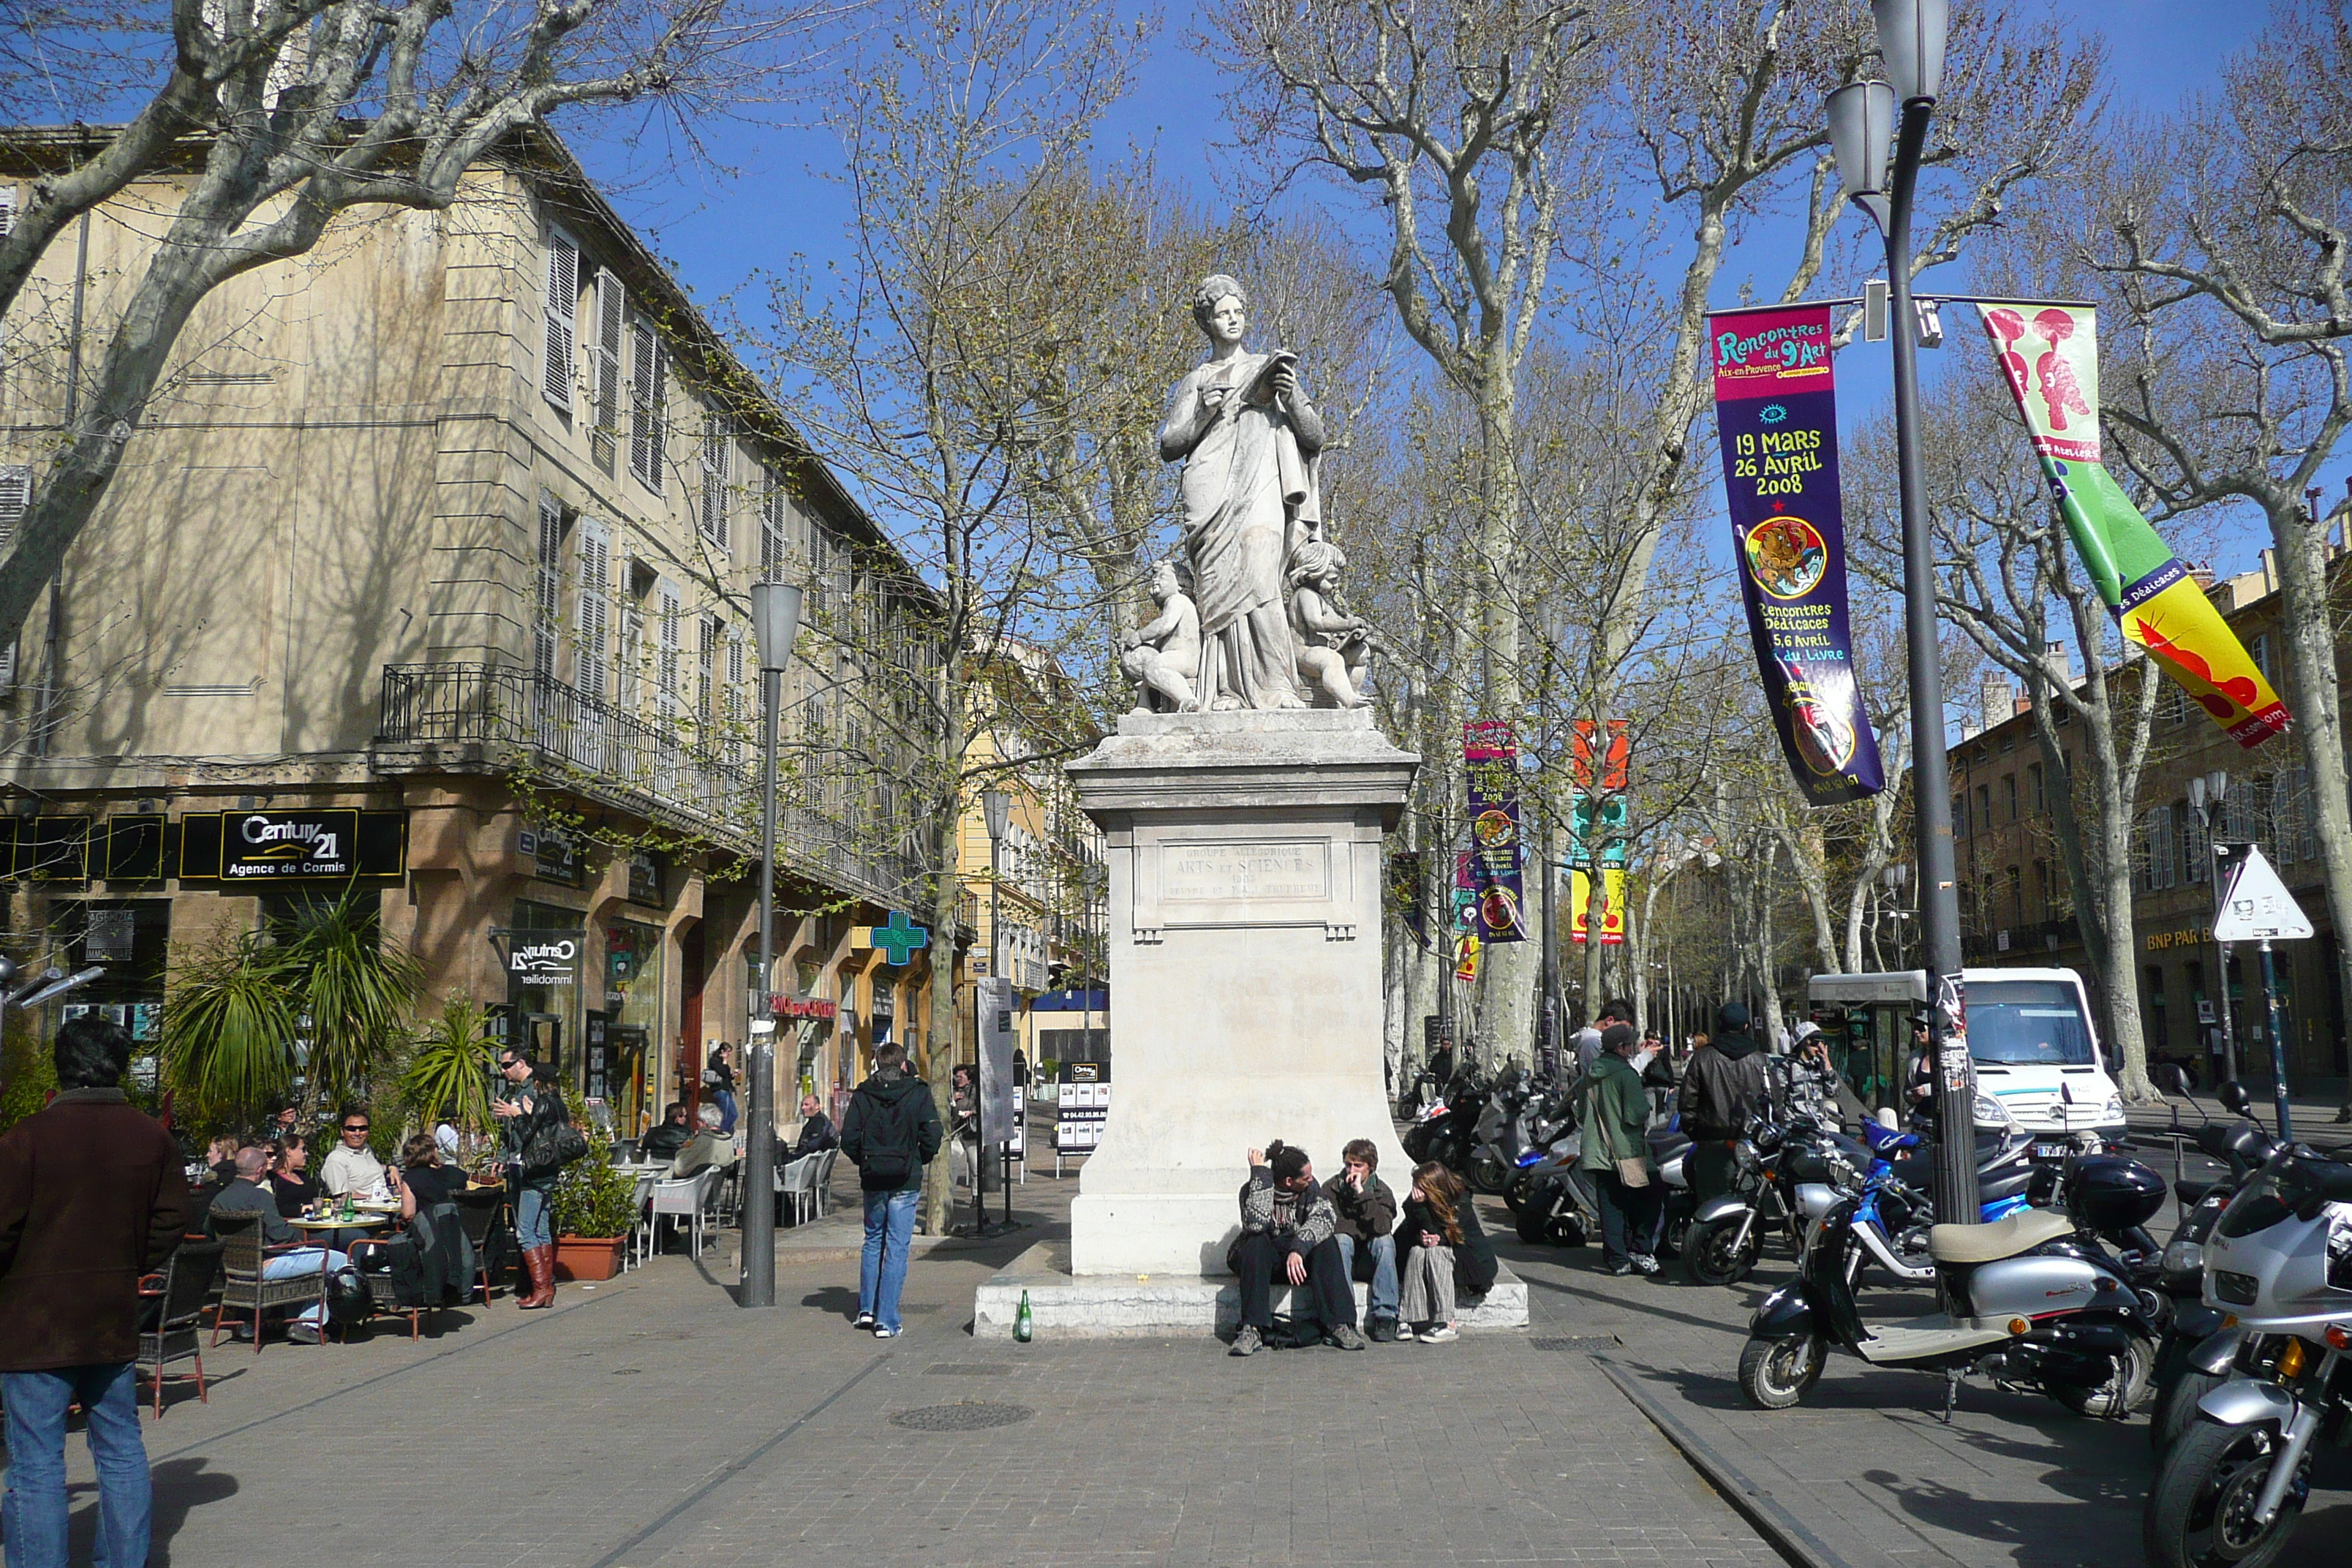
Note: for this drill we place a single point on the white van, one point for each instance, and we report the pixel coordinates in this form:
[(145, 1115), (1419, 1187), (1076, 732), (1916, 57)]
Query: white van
[(2029, 1030)]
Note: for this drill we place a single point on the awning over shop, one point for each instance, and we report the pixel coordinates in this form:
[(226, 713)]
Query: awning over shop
[(1072, 1001)]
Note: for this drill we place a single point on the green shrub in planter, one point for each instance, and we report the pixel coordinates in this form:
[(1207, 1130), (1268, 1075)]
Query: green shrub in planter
[(592, 1199)]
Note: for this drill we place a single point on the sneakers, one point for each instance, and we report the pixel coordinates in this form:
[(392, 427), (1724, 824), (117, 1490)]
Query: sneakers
[(1620, 1270), (883, 1331), (1384, 1331), (1249, 1341), (1346, 1338), (1646, 1262), (866, 1319), (1439, 1334), (303, 1334)]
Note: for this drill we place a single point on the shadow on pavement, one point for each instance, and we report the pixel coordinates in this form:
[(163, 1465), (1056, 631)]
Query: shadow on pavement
[(182, 1486)]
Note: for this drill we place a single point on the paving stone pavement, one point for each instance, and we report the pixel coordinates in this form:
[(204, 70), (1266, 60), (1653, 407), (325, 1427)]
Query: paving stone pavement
[(649, 1421)]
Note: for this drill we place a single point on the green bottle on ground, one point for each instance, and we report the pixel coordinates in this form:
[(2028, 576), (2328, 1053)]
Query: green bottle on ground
[(1024, 1327)]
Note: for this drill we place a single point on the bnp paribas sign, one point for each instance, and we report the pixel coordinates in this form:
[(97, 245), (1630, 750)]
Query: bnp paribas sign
[(267, 846)]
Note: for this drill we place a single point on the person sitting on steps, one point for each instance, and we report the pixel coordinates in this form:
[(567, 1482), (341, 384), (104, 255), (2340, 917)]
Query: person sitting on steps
[(1367, 1210), (1289, 1226)]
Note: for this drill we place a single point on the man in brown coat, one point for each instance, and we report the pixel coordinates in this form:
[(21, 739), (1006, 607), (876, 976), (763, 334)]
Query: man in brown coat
[(91, 1197)]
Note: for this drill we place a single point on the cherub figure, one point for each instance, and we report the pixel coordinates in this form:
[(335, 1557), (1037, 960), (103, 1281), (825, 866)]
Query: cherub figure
[(1333, 646), (2060, 393), (1163, 658), (2008, 326)]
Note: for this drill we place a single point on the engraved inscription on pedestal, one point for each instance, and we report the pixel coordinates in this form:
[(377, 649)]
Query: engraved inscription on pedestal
[(1244, 872), (1241, 880)]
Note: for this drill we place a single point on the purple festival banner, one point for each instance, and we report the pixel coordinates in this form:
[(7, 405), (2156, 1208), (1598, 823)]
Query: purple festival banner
[(1776, 407)]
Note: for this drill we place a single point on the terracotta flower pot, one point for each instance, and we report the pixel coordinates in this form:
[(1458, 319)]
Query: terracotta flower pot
[(588, 1256)]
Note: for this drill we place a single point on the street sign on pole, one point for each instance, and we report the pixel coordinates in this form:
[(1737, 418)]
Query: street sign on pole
[(2258, 908)]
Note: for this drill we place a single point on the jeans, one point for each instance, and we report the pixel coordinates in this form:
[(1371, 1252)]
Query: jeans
[(882, 1271), (1383, 1301), (531, 1204), (33, 1514), (1710, 1168), (726, 1098), (299, 1264), (1629, 1218), (1259, 1258)]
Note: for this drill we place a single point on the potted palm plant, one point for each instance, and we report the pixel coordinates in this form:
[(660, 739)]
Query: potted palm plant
[(595, 1208)]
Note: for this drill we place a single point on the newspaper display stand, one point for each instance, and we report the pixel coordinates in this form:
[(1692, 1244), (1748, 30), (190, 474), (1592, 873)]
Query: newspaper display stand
[(1084, 1106)]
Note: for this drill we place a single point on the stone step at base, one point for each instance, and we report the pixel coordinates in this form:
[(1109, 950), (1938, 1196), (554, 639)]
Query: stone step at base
[(1110, 1306)]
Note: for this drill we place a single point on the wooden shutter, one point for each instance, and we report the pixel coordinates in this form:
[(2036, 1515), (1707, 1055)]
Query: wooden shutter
[(646, 393), (672, 609), (775, 513), (708, 635), (718, 451), (604, 437), (547, 611), (16, 494), (595, 607), (563, 306)]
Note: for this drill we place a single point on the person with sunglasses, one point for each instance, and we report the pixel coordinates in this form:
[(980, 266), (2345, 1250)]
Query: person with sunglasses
[(350, 1168)]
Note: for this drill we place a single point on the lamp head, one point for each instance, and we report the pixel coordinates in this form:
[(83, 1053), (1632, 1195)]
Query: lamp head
[(2216, 784), (2197, 794), (1911, 41), (1861, 134), (775, 622), (997, 808)]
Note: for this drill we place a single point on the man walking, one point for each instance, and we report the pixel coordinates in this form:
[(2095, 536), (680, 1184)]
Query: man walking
[(1721, 1087), (890, 1132), (90, 1198), (1367, 1211), (1588, 1039)]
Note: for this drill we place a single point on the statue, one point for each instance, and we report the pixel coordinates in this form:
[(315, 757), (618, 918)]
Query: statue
[(1248, 439), (1164, 657), (1333, 646)]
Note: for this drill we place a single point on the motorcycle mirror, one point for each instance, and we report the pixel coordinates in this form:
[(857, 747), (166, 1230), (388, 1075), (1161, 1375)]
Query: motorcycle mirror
[(2232, 1094)]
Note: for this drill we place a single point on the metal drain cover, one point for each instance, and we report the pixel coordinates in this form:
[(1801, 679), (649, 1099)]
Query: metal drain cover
[(968, 1369), (1587, 1343), (966, 1416)]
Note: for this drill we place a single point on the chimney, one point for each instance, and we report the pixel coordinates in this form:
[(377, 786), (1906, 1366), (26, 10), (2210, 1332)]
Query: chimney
[(2203, 578), (2056, 656), (1998, 700), (2270, 571)]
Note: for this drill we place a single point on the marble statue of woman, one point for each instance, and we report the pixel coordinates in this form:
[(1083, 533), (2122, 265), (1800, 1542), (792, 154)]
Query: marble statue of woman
[(1248, 439)]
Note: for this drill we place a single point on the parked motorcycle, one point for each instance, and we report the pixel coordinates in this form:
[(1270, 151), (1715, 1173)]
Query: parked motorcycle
[(2199, 1345), (2234, 1482), (2033, 1299)]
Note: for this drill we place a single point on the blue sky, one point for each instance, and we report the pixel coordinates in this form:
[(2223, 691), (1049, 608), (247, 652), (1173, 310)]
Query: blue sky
[(719, 229)]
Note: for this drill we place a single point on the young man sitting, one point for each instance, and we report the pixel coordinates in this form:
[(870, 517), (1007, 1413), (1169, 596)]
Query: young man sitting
[(1288, 1226), (1367, 1210)]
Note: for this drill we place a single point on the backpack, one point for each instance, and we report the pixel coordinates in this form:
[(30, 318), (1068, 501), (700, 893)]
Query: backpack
[(349, 1304), (888, 1143)]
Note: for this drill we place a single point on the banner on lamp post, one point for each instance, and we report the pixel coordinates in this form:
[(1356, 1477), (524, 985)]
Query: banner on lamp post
[(2049, 355), (1613, 894), (1775, 410), (1490, 758)]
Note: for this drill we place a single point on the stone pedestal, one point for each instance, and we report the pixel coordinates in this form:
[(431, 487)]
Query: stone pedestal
[(1245, 937)]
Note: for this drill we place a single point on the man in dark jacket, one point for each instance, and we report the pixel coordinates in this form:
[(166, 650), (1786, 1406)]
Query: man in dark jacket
[(91, 1197), (1367, 1210), (890, 1132), (1721, 1087), (817, 1133), (1289, 1226), (284, 1258)]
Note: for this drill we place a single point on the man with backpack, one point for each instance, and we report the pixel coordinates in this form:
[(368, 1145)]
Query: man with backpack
[(890, 1132), (1722, 1087)]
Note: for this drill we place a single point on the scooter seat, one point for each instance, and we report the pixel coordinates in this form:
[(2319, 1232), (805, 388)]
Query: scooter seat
[(2020, 1232)]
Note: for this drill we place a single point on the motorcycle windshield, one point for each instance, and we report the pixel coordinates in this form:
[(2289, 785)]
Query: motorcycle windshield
[(2257, 1207)]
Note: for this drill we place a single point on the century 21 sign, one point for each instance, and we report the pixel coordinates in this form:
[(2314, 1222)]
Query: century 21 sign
[(263, 846)]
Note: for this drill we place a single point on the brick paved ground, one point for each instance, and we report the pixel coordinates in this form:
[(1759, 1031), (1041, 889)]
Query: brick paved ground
[(649, 1421)]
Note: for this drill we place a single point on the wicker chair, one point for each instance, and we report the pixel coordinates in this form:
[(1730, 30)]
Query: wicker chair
[(243, 1289), (483, 1214), (383, 1299), (177, 1334)]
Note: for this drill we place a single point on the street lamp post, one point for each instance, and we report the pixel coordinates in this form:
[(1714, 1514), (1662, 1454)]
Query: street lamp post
[(997, 807), (775, 622), (2205, 797), (1862, 116)]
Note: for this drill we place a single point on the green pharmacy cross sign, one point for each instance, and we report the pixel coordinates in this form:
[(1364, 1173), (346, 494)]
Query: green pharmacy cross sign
[(897, 942)]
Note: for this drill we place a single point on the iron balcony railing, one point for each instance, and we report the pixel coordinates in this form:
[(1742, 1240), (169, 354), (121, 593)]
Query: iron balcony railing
[(570, 740)]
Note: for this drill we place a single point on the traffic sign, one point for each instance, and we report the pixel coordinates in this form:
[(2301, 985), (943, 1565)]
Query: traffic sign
[(2258, 908)]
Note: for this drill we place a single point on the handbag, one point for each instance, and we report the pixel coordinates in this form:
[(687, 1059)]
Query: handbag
[(1633, 1173), (552, 1148)]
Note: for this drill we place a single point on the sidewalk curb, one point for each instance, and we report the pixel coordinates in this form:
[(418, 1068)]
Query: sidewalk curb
[(1784, 1531)]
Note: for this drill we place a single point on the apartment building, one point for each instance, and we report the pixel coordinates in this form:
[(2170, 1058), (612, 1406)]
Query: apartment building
[(427, 572), (2016, 908)]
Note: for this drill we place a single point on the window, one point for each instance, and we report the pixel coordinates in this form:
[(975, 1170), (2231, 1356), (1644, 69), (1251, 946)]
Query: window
[(775, 517), (2043, 895), (2262, 652), (673, 610), (2016, 896), (550, 606), (1960, 828), (717, 451), (708, 634), (595, 586), (1984, 806), (612, 306), (2172, 703), (2196, 851), (633, 635), (650, 373), (563, 305), (2009, 795), (2160, 852), (2292, 827), (2035, 796)]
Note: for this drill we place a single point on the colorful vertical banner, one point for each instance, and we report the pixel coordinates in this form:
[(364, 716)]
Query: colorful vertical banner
[(1612, 906), (1490, 758), (1616, 762), (1407, 895), (2049, 355), (1776, 408)]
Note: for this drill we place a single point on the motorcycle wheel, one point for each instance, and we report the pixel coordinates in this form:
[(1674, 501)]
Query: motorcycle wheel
[(1515, 1196), (1716, 1256), (1775, 1373), (2175, 1406), (1532, 1227), (2200, 1511), (2120, 1395), (1490, 1175)]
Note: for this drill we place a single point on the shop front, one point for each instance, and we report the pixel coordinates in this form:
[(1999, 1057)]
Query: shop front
[(544, 945), (631, 1022)]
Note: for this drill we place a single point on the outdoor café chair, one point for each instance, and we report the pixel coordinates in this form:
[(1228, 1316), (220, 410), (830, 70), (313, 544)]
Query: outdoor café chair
[(822, 1188), (797, 1180), (641, 1235), (243, 1289), (481, 1214), (686, 1198), (177, 1334)]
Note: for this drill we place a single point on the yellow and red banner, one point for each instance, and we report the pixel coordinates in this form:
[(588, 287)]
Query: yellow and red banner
[(2049, 355), (1612, 907)]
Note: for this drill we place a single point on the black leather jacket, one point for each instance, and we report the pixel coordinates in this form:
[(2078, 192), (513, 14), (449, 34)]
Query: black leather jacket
[(546, 1109)]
